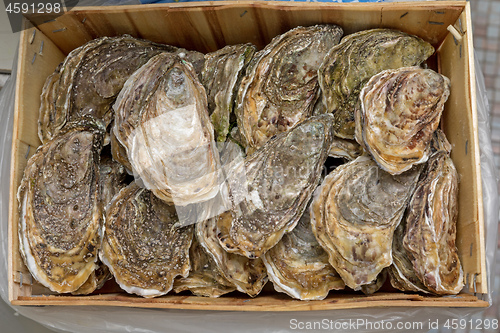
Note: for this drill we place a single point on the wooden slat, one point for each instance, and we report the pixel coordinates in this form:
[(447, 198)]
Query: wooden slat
[(278, 302)]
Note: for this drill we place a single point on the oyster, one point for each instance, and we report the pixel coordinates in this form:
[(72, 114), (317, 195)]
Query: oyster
[(376, 284), (430, 234), (248, 275), (280, 87), (112, 179), (281, 177), (349, 65), (400, 110), (90, 78), (345, 148), (60, 211), (119, 152), (298, 265), (204, 278), (221, 75), (161, 120), (354, 213), (140, 245), (95, 281)]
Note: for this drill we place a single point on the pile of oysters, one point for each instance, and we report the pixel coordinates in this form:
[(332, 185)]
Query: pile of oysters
[(347, 179)]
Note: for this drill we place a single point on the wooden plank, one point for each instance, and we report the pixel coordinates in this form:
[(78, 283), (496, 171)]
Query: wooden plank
[(207, 26), (277, 302), (459, 122)]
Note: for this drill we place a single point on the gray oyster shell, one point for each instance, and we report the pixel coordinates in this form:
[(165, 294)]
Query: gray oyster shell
[(280, 87), (90, 78), (141, 246), (354, 213), (162, 122), (248, 275), (112, 179), (430, 234), (400, 110), (298, 265), (281, 177), (359, 56), (204, 278), (221, 76), (60, 212)]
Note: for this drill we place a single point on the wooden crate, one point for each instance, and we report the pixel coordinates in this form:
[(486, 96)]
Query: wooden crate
[(207, 26)]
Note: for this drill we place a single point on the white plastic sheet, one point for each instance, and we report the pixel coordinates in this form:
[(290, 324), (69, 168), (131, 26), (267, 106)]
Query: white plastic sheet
[(113, 319)]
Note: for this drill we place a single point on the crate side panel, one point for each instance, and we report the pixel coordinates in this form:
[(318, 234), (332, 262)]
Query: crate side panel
[(460, 125)]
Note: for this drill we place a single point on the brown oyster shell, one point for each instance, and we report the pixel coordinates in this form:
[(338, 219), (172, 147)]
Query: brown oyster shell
[(298, 265), (345, 148), (141, 246), (248, 275), (281, 177), (60, 212), (163, 124), (359, 56), (280, 87), (430, 234), (354, 213), (221, 76), (204, 278), (400, 110), (90, 78)]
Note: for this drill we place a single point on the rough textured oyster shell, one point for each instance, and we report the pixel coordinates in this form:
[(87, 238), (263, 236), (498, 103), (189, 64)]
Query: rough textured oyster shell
[(112, 179), (345, 148), (430, 234), (221, 77), (119, 153), (95, 281), (354, 213), (162, 122), (298, 265), (90, 78), (375, 285), (141, 246), (280, 87), (400, 110), (204, 278), (359, 56), (60, 211), (281, 177), (248, 275)]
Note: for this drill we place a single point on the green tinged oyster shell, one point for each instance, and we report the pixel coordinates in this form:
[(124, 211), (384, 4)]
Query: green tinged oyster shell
[(359, 56), (280, 87), (90, 78), (221, 76), (60, 211), (281, 177), (141, 246), (400, 111)]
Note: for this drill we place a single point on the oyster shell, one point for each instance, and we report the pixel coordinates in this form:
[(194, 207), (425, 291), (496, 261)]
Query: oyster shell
[(376, 284), (112, 179), (221, 75), (281, 177), (400, 110), (345, 148), (430, 233), (280, 87), (248, 275), (204, 278), (119, 152), (140, 245), (354, 213), (298, 265), (95, 281), (161, 120), (90, 78), (60, 212), (359, 56)]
